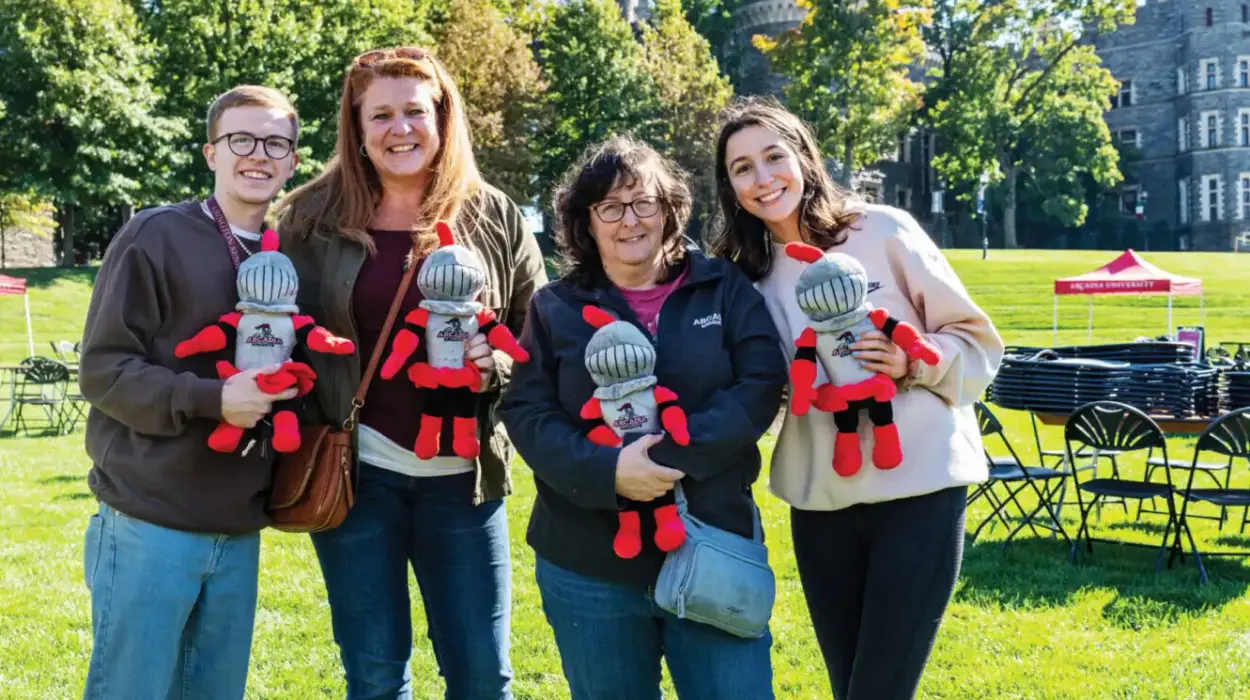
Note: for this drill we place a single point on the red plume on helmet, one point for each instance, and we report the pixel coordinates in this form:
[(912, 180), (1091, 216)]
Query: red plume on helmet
[(597, 317), (269, 241), (804, 252), (444, 234)]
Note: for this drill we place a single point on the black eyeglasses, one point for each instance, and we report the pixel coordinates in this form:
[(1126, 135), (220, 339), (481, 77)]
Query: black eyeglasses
[(244, 144), (612, 212)]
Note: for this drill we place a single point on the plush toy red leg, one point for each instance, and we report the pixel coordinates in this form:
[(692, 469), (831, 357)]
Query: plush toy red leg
[(226, 437), (429, 437), (886, 452), (669, 530), (628, 541), (285, 432), (847, 458), (464, 438)]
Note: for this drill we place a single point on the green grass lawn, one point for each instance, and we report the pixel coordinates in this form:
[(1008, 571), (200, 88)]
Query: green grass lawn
[(1024, 623)]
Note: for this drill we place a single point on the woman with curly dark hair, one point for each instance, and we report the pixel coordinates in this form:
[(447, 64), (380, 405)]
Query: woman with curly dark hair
[(703, 333)]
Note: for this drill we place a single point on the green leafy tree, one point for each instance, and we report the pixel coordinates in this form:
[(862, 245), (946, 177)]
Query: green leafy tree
[(848, 70), (1020, 98), (713, 20), (502, 88), (210, 46), (691, 92), (79, 127), (597, 84)]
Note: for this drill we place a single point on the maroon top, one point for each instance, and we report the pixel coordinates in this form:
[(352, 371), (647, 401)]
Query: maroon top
[(646, 303), (392, 406)]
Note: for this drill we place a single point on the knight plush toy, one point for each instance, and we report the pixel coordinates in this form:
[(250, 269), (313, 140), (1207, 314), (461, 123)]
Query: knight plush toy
[(832, 291), (629, 399), (451, 280), (264, 330)]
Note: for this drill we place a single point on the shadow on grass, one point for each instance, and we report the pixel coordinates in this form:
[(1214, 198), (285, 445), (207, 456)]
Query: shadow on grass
[(75, 496), (1035, 574), (43, 277), (63, 479)]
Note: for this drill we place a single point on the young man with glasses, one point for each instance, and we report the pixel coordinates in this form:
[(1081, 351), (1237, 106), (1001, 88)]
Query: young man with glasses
[(171, 557)]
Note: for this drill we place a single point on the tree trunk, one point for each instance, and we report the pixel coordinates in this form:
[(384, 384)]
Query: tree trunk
[(848, 150), (1009, 208), (65, 221)]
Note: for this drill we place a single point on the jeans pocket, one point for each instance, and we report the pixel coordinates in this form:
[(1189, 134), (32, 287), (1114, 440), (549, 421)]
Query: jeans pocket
[(92, 543)]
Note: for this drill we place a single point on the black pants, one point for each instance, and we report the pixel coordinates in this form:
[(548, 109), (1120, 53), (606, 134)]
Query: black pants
[(877, 578)]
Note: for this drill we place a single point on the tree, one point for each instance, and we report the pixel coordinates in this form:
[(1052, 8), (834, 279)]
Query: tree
[(848, 68), (1020, 97), (691, 92), (597, 84), (499, 80), (210, 46), (79, 126), (713, 20)]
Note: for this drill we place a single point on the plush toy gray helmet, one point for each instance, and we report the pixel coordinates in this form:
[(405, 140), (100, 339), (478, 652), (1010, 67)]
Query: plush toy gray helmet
[(618, 353), (834, 285), (266, 281), (452, 272)]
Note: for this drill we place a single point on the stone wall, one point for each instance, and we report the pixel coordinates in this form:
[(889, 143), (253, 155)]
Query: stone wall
[(25, 249)]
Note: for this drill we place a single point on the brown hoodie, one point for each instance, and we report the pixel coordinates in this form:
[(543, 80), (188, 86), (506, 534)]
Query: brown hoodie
[(165, 276)]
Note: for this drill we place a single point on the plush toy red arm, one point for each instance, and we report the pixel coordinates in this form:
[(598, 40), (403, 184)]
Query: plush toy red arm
[(803, 373), (671, 416), (906, 337), (406, 342), (318, 339), (211, 338), (500, 337), (602, 435)]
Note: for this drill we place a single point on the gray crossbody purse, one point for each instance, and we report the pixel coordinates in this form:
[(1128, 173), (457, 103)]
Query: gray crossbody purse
[(717, 577)]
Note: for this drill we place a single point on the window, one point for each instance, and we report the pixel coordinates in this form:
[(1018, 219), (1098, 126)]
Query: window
[(1130, 137), (1212, 209), (1243, 127), (1128, 199), (1182, 134), (1245, 13), (1243, 71), (1182, 83), (1210, 130), (1183, 200), (1124, 98), (1243, 196), (1210, 19), (904, 147), (903, 197), (1211, 71)]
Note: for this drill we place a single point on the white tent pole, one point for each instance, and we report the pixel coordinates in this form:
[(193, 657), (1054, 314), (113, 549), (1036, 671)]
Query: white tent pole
[(1055, 324), (1089, 335), (1170, 331), (1202, 310), (30, 336)]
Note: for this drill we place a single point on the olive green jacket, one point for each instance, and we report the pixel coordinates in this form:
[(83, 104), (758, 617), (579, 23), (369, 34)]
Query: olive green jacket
[(328, 263)]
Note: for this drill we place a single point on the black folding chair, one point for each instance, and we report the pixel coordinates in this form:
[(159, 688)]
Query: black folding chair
[(42, 383), (1229, 435), (1111, 425), (1211, 469), (1010, 476)]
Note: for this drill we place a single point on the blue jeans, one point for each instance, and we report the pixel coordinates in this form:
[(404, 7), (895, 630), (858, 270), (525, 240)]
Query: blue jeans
[(171, 611), (611, 638), (459, 553)]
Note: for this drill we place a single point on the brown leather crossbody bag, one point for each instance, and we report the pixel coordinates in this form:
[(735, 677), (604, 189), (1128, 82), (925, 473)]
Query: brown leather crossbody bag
[(312, 487)]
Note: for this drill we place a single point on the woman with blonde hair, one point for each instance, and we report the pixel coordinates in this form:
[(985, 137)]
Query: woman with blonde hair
[(404, 162)]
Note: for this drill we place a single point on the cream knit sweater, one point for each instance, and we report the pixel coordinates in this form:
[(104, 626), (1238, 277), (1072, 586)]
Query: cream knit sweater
[(909, 277)]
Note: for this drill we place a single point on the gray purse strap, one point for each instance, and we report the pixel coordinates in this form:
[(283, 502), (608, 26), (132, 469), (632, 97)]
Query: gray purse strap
[(683, 509)]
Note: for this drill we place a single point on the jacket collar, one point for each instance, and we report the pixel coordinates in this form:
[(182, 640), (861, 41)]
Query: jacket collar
[(699, 270)]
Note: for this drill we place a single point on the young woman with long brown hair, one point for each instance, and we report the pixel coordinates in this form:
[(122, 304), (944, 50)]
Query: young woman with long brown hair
[(403, 162)]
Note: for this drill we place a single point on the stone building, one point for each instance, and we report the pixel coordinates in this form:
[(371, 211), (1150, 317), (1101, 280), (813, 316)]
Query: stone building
[(1182, 117)]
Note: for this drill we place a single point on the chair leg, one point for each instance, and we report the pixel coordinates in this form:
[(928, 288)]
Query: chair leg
[(1202, 570), (994, 514), (1084, 527)]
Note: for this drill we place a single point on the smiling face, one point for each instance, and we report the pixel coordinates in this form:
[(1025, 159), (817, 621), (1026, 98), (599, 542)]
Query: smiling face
[(765, 173), (257, 178), (634, 243), (399, 127)]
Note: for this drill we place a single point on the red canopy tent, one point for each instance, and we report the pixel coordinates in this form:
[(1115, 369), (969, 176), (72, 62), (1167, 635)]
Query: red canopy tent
[(15, 286), (1127, 274)]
